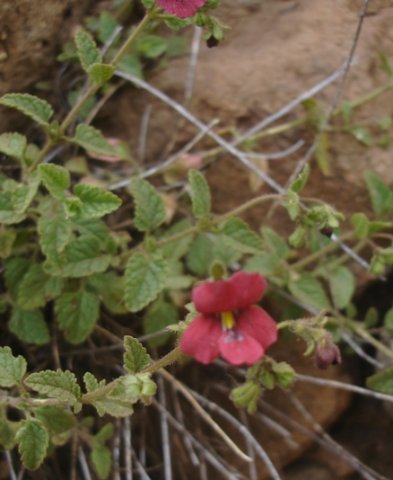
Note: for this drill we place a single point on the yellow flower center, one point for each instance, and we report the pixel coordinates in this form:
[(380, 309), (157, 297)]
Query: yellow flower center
[(228, 320)]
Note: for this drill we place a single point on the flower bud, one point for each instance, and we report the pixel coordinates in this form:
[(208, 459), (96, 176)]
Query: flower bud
[(327, 353)]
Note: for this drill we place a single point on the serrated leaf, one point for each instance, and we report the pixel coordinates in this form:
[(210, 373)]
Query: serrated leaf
[(135, 357), (92, 140), (55, 178), (300, 181), (342, 286), (29, 326), (200, 194), (152, 46), (77, 314), (102, 460), (100, 73), (15, 269), (361, 225), (87, 50), (32, 289), (58, 384), (200, 255), (381, 195), (36, 108), (309, 291), (7, 239), (292, 204), (177, 248), (33, 441), (55, 419), (264, 264), (91, 383), (96, 202), (144, 279), (54, 234), (240, 236), (110, 288), (382, 381), (274, 243), (13, 145), (81, 257), (12, 369), (149, 206), (8, 431), (159, 316)]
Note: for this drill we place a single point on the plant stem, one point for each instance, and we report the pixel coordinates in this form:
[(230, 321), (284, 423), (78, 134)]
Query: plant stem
[(168, 359)]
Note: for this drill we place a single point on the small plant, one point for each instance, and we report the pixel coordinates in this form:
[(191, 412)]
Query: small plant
[(75, 256)]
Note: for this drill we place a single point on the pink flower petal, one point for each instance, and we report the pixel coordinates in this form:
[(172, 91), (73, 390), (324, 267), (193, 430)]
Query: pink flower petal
[(241, 290), (257, 323), (238, 348), (181, 8), (200, 339)]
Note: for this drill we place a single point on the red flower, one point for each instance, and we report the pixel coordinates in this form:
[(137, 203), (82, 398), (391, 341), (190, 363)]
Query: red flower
[(228, 323), (181, 8)]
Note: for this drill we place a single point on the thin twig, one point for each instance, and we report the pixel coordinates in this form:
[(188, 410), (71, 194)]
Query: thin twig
[(359, 350), (10, 465), (195, 47), (143, 132), (203, 414), (83, 464), (116, 451), (165, 438), (140, 468), (127, 442)]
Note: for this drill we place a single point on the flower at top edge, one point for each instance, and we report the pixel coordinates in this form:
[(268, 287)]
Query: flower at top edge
[(229, 324), (181, 8)]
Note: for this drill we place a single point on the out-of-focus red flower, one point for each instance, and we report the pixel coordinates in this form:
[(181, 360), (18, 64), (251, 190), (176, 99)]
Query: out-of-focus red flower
[(181, 8), (229, 324)]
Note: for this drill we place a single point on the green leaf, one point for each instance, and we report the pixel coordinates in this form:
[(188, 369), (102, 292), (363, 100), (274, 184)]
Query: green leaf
[(145, 277), (200, 255), (87, 50), (100, 73), (77, 314), (322, 154), (102, 460), (149, 207), (92, 140), (240, 236), (33, 441), (381, 195), (15, 269), (96, 202), (8, 431), (29, 326), (265, 264), (55, 419), (13, 145), (159, 316), (388, 321), (55, 178), (177, 248), (300, 181), (110, 288), (61, 385), (342, 286), (362, 135), (292, 204), (32, 289), (152, 46), (81, 258), (135, 357), (200, 194), (54, 234), (309, 291), (36, 108), (274, 243), (7, 240), (12, 369), (382, 381), (361, 225)]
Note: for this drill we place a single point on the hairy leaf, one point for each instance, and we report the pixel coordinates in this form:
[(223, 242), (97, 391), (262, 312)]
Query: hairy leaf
[(382, 381), (100, 73), (12, 369), (135, 357), (87, 50), (380, 193), (54, 234), (342, 286), (55, 178), (36, 108), (13, 145), (33, 441), (102, 460), (32, 289), (96, 202), (58, 384), (29, 326), (145, 278), (240, 236), (149, 207), (200, 194), (77, 314), (309, 291), (92, 140), (55, 419)]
